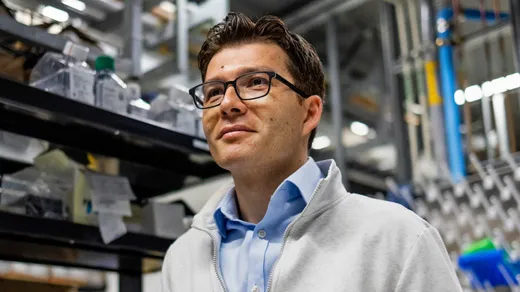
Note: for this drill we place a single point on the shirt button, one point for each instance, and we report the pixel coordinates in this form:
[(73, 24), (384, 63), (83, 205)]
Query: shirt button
[(262, 233), (255, 289)]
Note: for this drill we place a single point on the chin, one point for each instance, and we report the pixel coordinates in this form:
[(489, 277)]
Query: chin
[(233, 158)]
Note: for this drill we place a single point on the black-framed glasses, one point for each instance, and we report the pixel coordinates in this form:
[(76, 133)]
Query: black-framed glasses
[(249, 86)]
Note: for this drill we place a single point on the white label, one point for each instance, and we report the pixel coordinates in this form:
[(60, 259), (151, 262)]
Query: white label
[(111, 227), (81, 85), (104, 205), (186, 123), (112, 97), (109, 187)]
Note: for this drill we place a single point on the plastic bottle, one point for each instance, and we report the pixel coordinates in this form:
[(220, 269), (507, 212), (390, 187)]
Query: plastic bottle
[(65, 74), (186, 115), (137, 107), (109, 89)]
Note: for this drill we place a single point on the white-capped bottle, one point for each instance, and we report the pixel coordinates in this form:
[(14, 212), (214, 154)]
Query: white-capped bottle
[(65, 74)]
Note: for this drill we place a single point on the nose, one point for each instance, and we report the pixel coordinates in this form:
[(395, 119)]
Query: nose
[(231, 104)]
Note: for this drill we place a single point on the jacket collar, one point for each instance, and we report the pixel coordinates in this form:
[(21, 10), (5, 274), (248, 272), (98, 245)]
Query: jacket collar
[(330, 189)]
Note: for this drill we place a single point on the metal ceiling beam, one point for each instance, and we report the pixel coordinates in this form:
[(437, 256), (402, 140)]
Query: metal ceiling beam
[(37, 36), (319, 12), (307, 11)]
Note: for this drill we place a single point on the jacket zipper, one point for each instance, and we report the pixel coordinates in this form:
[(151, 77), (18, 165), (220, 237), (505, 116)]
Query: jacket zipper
[(215, 264), (286, 234), (215, 255)]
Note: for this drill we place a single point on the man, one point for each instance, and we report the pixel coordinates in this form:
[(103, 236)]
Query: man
[(287, 223)]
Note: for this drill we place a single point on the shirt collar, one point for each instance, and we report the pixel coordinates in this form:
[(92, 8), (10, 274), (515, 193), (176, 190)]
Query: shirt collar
[(304, 179), (227, 209)]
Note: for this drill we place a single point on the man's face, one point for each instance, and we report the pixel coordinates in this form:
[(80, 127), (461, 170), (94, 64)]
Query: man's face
[(271, 129)]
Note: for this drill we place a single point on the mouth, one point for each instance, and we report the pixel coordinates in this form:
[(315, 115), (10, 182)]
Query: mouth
[(234, 130)]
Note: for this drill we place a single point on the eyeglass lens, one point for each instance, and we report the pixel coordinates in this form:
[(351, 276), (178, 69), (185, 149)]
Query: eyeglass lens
[(248, 86)]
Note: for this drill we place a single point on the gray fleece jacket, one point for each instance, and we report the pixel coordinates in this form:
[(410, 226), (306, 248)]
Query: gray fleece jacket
[(340, 242)]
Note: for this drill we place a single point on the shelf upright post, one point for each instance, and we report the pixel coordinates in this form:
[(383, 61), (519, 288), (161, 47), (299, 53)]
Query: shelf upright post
[(182, 40), (403, 171), (134, 35), (130, 281), (335, 96)]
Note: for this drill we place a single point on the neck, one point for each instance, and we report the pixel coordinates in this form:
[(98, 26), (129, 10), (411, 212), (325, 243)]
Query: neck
[(254, 190)]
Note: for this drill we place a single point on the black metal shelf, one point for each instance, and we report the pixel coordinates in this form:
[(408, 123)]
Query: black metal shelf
[(56, 242), (39, 114)]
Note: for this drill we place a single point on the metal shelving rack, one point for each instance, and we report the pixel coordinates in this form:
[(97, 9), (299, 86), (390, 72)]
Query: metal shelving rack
[(32, 112)]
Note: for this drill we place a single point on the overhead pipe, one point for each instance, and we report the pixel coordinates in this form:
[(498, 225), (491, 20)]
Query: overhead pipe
[(449, 84), (432, 84)]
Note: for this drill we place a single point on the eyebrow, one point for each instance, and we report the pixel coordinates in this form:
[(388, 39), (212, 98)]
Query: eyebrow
[(243, 71)]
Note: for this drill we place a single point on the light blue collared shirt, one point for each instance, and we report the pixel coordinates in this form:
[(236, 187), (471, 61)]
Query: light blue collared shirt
[(248, 251)]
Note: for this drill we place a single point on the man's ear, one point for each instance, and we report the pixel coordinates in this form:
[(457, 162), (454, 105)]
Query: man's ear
[(314, 109)]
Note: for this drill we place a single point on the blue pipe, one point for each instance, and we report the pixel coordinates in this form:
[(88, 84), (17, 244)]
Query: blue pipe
[(449, 85), (472, 14), (451, 113)]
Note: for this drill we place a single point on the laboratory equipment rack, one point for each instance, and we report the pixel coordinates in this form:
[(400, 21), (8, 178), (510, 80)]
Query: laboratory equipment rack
[(32, 112), (63, 243)]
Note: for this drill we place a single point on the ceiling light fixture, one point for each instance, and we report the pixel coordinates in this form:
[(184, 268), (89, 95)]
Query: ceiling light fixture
[(168, 6), (459, 97), (54, 13), (473, 93), (359, 128), (76, 4), (321, 142), (488, 89)]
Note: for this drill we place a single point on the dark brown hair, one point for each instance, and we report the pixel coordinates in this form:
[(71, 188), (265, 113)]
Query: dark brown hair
[(303, 63)]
